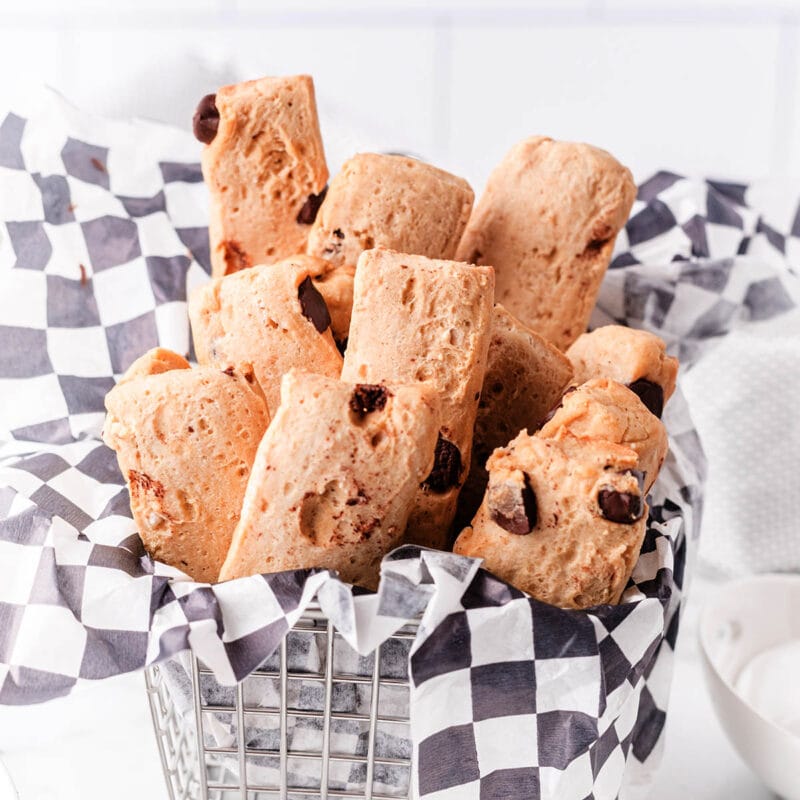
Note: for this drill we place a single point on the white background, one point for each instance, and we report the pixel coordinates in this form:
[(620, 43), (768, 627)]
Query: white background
[(700, 86), (706, 87)]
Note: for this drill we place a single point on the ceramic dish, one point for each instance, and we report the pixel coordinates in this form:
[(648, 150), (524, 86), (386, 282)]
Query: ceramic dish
[(744, 619)]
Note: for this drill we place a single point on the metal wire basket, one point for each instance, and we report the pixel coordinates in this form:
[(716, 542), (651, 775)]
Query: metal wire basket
[(336, 725)]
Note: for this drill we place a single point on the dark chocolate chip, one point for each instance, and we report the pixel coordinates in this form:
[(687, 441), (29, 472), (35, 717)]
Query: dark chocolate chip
[(446, 467), (513, 508), (206, 119), (308, 213), (338, 233), (651, 394), (596, 245), (368, 397), (621, 507), (313, 305)]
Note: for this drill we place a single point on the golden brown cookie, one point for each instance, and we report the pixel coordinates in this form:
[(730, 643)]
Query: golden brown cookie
[(394, 202), (185, 441), (633, 357), (563, 519), (547, 222), (272, 317), (153, 362), (265, 168), (334, 478), (604, 409), (525, 378), (417, 319)]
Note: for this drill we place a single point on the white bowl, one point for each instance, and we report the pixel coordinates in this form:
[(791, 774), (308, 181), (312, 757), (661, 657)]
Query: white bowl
[(7, 790), (744, 618)]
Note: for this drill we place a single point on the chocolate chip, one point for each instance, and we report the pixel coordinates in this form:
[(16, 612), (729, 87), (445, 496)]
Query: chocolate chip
[(338, 233), (621, 507), (313, 305), (513, 508), (228, 371), (206, 119), (308, 213), (446, 467), (368, 397), (651, 394), (596, 244)]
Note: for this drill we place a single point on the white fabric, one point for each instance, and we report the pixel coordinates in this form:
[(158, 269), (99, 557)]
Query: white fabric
[(745, 399)]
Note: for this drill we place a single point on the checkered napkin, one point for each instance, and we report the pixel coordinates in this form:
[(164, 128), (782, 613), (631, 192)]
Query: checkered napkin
[(103, 234)]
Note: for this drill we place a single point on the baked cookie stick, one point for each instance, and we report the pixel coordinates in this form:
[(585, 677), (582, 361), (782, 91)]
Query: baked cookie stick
[(185, 441), (154, 362), (390, 201), (272, 317), (604, 409), (417, 319), (547, 223), (334, 478), (633, 357), (562, 519), (265, 169), (525, 378), (394, 202)]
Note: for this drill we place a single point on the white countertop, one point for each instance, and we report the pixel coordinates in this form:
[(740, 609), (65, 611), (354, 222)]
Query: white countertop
[(98, 743)]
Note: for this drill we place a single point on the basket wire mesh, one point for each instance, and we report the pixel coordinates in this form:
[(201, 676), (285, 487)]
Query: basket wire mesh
[(195, 768)]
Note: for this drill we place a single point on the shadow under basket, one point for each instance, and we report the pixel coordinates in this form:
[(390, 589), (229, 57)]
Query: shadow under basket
[(319, 720)]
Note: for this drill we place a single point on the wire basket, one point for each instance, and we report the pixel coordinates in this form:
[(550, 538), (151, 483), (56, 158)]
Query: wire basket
[(328, 724)]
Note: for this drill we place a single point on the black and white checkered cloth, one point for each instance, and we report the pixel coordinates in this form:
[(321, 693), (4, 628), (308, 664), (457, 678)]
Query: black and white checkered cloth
[(102, 236)]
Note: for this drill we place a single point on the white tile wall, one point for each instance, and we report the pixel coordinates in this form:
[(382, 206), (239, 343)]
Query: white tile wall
[(709, 86)]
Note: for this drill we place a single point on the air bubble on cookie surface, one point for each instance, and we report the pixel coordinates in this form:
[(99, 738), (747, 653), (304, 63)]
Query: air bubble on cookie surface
[(455, 337), (319, 513), (407, 295), (424, 372)]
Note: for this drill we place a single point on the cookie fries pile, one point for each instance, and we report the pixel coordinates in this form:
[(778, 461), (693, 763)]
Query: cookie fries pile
[(359, 389), (516, 692)]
